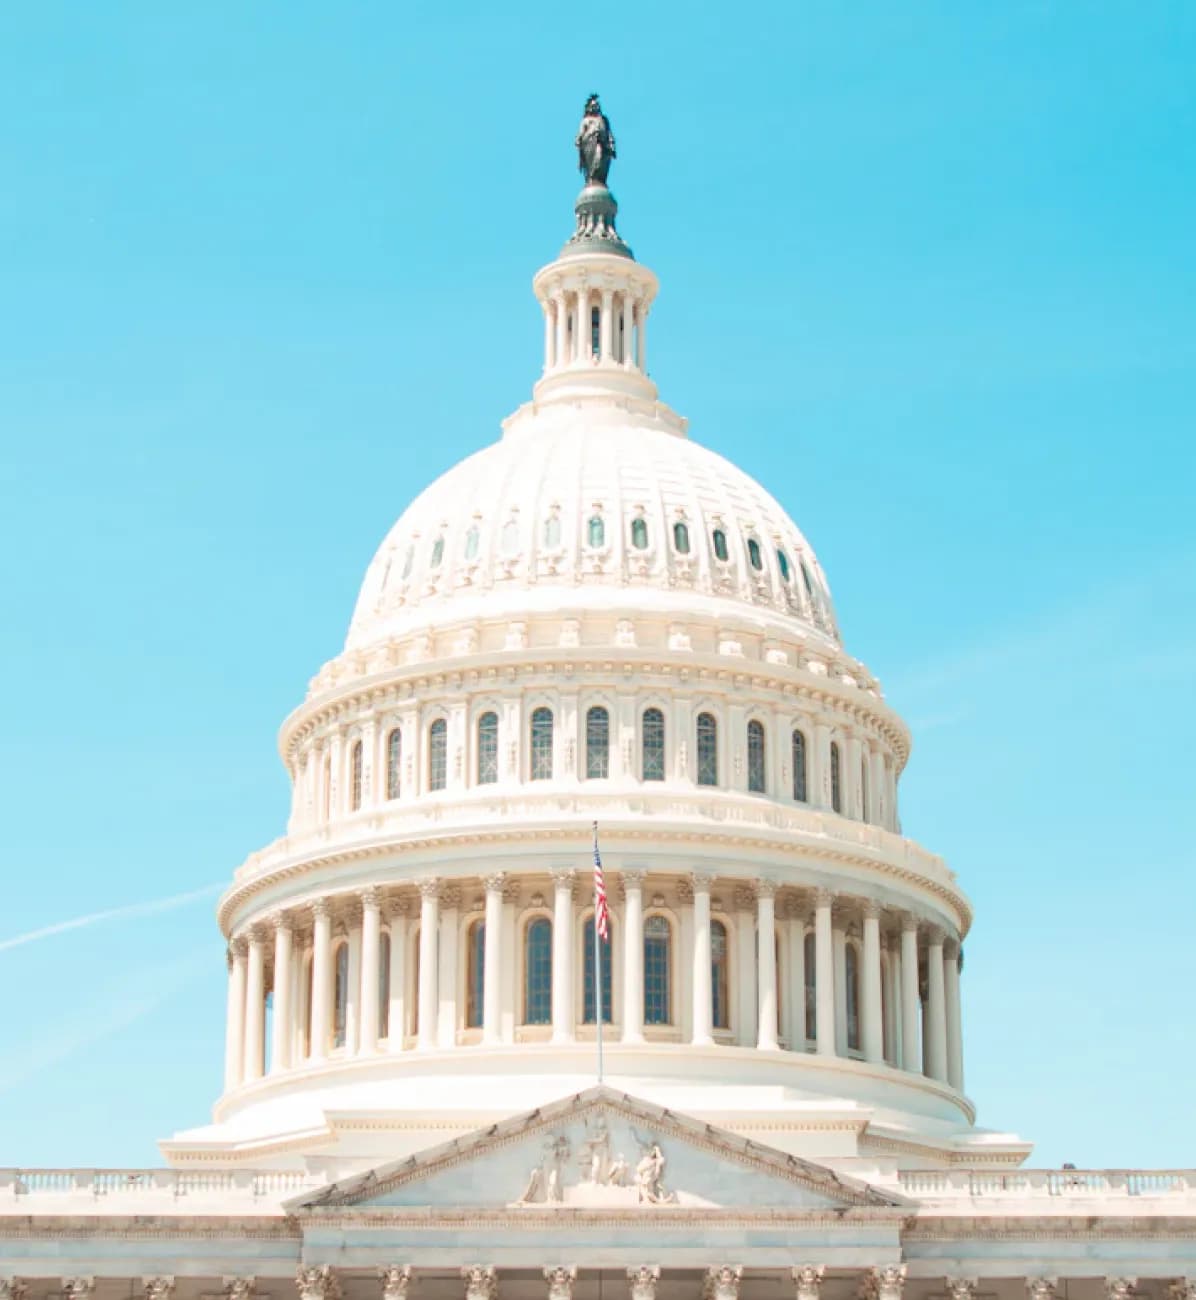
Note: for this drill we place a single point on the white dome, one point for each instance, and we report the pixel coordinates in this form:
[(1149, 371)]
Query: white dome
[(576, 500)]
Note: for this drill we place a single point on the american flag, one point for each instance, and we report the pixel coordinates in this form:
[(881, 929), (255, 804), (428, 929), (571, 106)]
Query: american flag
[(601, 911)]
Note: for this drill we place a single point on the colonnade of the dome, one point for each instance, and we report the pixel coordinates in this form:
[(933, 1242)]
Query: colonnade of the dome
[(505, 958)]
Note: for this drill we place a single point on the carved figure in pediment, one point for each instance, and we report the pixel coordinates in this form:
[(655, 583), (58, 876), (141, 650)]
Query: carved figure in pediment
[(544, 1183), (649, 1174), (595, 1152), (616, 1173)]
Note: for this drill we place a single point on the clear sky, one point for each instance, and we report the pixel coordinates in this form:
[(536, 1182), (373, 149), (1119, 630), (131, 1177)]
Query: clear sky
[(927, 271)]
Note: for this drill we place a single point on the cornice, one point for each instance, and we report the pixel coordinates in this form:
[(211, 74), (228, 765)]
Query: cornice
[(138, 1227), (845, 1219), (997, 1227)]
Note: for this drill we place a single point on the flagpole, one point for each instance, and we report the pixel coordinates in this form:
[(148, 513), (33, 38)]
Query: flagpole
[(597, 965)]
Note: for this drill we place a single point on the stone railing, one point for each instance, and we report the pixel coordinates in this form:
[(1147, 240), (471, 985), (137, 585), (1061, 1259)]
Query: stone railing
[(1034, 1184), (19, 1188)]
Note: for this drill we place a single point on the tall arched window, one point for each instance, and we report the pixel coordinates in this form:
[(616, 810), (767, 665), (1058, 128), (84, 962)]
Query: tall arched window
[(652, 745), (754, 556), (510, 537), (384, 984), (471, 542), (799, 766), (394, 763), (639, 533), (541, 729), (488, 749), (681, 538), (658, 943), (783, 563), (408, 561), (604, 961), (437, 552), (863, 788), (537, 973), (340, 996), (552, 531), (438, 755), (755, 748), (707, 749), (475, 965), (355, 762), (596, 531), (852, 997), (810, 953), (836, 779), (595, 332), (719, 538), (597, 743), (720, 982), (806, 582)]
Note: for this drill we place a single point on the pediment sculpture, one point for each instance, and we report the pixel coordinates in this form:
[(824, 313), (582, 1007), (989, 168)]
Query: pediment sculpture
[(596, 1173)]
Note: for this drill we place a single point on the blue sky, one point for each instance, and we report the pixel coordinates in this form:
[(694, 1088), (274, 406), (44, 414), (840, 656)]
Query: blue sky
[(927, 271)]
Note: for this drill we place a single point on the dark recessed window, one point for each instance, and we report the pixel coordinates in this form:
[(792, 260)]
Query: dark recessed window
[(681, 539), (754, 556), (639, 534), (720, 544)]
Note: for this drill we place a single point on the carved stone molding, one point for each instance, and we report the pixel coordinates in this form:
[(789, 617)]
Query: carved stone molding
[(450, 897), (885, 1283), (745, 898), (396, 1278), (765, 888), (317, 1283), (429, 887), (481, 1281), (823, 898), (238, 1288), (158, 1288), (1183, 1288), (560, 1282), (807, 1279), (631, 879), (564, 879), (320, 907), (722, 1283), (643, 1281), (12, 1288), (371, 897), (494, 882)]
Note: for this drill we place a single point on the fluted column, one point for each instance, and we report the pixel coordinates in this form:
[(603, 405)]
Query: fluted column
[(766, 961), (429, 925), (321, 979), (548, 333), (563, 1010), (581, 343), (824, 973), (796, 982), (492, 962), (641, 339), (282, 1026), (936, 1010), (255, 1006), (951, 957), (606, 326), (371, 935), (633, 957), (561, 356), (911, 1026), (703, 968), (625, 332), (234, 1024), (872, 1028)]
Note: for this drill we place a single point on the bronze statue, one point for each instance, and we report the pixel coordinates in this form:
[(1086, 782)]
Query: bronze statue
[(595, 144)]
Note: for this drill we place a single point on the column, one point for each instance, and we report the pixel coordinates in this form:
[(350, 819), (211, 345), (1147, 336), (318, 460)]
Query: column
[(371, 795), (321, 979), (723, 1283), (317, 1282), (581, 336), (936, 1010), (839, 948), (336, 777), (561, 355), (879, 812), (824, 973), (911, 1037), (703, 969), (820, 792), (397, 1015), (492, 962), (446, 943), (797, 977), (951, 960), (633, 957), (766, 960), (429, 924), (234, 1022), (255, 1006), (872, 1035), (886, 1283), (548, 333), (606, 327), (563, 1009), (396, 1281), (481, 1281), (371, 934), (280, 1048), (641, 337), (625, 309), (891, 999), (849, 777), (746, 1019)]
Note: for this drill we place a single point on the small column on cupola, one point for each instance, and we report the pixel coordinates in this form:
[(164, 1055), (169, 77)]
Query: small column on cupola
[(595, 296)]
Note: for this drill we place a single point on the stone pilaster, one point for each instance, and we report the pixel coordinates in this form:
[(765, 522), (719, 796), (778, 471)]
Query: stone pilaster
[(1120, 1288)]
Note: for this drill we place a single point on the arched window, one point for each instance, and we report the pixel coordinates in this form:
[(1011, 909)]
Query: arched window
[(805, 579), (604, 961), (542, 745), (639, 533), (595, 332), (438, 755), (597, 743), (537, 973), (471, 542), (810, 950), (707, 749), (408, 561), (658, 937), (437, 552), (475, 965), (652, 745), (754, 556), (720, 544), (488, 748), (681, 538), (384, 984), (863, 788), (720, 982), (836, 779), (552, 531), (783, 563), (394, 762), (799, 766), (755, 748), (340, 996), (596, 531), (510, 537), (355, 761), (852, 996)]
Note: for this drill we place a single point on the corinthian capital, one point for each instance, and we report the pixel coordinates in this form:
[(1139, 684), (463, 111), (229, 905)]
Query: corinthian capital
[(78, 1288), (1183, 1288), (239, 1288), (12, 1288), (807, 1278), (317, 1283), (481, 1281), (560, 1282), (158, 1288), (722, 1283), (1120, 1288), (643, 1281), (885, 1283), (396, 1278), (961, 1288), (1041, 1288), (429, 887)]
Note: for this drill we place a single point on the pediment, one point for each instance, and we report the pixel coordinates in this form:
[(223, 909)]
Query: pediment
[(598, 1149)]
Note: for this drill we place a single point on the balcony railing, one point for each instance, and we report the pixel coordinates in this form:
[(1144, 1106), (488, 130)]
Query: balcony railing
[(18, 1187), (953, 1184)]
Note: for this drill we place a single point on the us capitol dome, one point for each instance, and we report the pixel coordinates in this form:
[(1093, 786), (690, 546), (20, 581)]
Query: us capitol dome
[(594, 620)]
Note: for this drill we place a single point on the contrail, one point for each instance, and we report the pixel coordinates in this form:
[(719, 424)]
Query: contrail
[(111, 914)]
